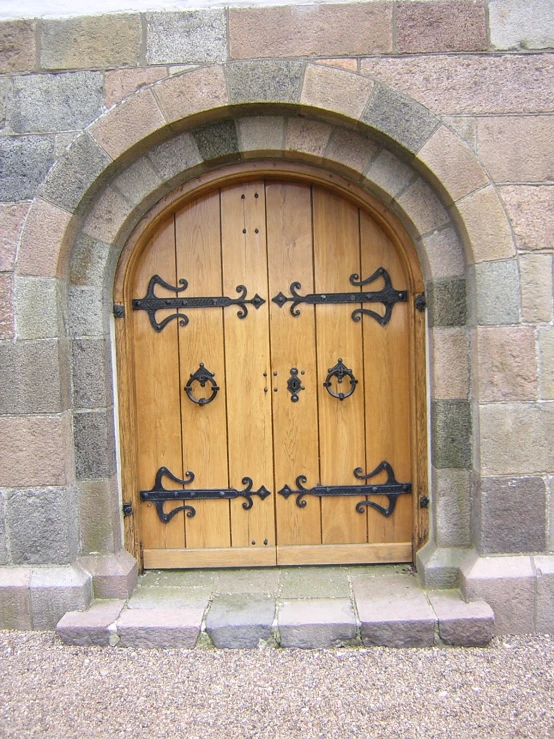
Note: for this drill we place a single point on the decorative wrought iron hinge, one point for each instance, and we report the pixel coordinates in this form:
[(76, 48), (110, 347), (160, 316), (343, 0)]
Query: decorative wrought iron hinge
[(391, 488), (119, 310), (151, 303), (388, 296), (127, 509), (159, 495), (340, 371)]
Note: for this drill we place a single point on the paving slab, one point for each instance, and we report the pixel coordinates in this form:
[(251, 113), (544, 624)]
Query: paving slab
[(163, 597), (240, 621), (248, 581), (393, 611), (93, 627), (461, 623), (180, 578), (160, 627), (314, 582), (316, 623)]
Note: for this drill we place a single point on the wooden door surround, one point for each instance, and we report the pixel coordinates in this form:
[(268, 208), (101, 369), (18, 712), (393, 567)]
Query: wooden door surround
[(259, 397)]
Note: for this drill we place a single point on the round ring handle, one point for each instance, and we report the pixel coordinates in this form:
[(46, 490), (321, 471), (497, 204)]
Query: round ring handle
[(203, 376), (340, 371)]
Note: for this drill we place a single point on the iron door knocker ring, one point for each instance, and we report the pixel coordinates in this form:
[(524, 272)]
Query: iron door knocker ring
[(340, 371), (203, 376)]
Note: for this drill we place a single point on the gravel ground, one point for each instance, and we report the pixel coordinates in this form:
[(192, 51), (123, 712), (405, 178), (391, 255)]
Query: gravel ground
[(50, 690)]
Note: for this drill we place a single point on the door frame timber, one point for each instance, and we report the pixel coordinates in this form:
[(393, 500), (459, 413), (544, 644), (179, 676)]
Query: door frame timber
[(127, 265)]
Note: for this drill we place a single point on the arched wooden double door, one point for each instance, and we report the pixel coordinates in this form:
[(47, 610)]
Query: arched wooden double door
[(269, 378)]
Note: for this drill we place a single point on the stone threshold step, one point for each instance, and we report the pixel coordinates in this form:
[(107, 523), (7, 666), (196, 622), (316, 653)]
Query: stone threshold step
[(383, 611)]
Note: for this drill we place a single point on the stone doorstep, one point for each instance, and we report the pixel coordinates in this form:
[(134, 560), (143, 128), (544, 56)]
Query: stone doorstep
[(386, 611)]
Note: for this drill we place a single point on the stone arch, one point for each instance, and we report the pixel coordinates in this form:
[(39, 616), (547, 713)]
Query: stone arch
[(173, 130)]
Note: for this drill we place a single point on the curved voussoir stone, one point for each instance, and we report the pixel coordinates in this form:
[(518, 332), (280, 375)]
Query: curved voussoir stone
[(267, 81), (200, 91), (336, 90)]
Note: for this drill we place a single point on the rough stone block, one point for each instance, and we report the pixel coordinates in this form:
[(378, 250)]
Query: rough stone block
[(55, 591), (92, 627), (449, 349), (517, 24), (162, 597), (55, 102), (120, 83), (314, 582), (128, 123), (510, 515), (3, 546), (445, 26), (394, 612), (319, 623), (460, 623), (447, 303), (507, 584), (31, 378), (86, 312), (494, 293), (7, 327), (192, 93), (516, 438), (448, 84), (108, 216), (15, 598), (442, 254), (12, 218), (306, 137), (452, 163), (161, 628), (464, 126), (190, 36), (401, 119), (74, 178), (25, 162), (453, 507), (336, 90), (507, 363), (91, 373), (172, 158), (88, 261), (388, 174), (531, 213), (94, 444), (317, 30), (350, 65), (261, 135), (265, 81), (113, 575), (100, 518), (420, 204), (230, 582), (42, 239), (193, 579), (349, 152), (438, 567), (240, 622), (139, 182), (35, 451), (537, 294), (36, 300), (545, 595), (546, 362), (218, 141), (484, 226), (451, 434), (94, 41), (18, 46)]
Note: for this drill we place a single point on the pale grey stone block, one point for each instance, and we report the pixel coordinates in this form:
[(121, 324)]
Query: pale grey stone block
[(76, 174), (400, 118), (139, 182), (15, 598), (175, 156), (453, 507), (520, 24), (100, 516), (24, 162), (510, 515), (451, 428), (160, 597), (88, 261), (87, 312), (56, 590), (206, 579), (92, 627), (93, 433), (507, 584), (318, 623), (545, 594), (390, 174), (41, 103), (218, 141), (265, 81), (40, 530), (3, 547), (34, 377), (393, 611), (447, 303), (3, 96), (36, 303), (239, 621), (113, 575), (438, 568), (256, 580), (92, 373), (161, 628), (495, 293), (314, 582), (462, 624), (186, 37)]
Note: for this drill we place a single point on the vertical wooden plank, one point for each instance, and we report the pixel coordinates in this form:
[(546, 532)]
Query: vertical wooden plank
[(243, 232), (157, 392), (387, 385), (197, 228), (341, 424), (295, 433)]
